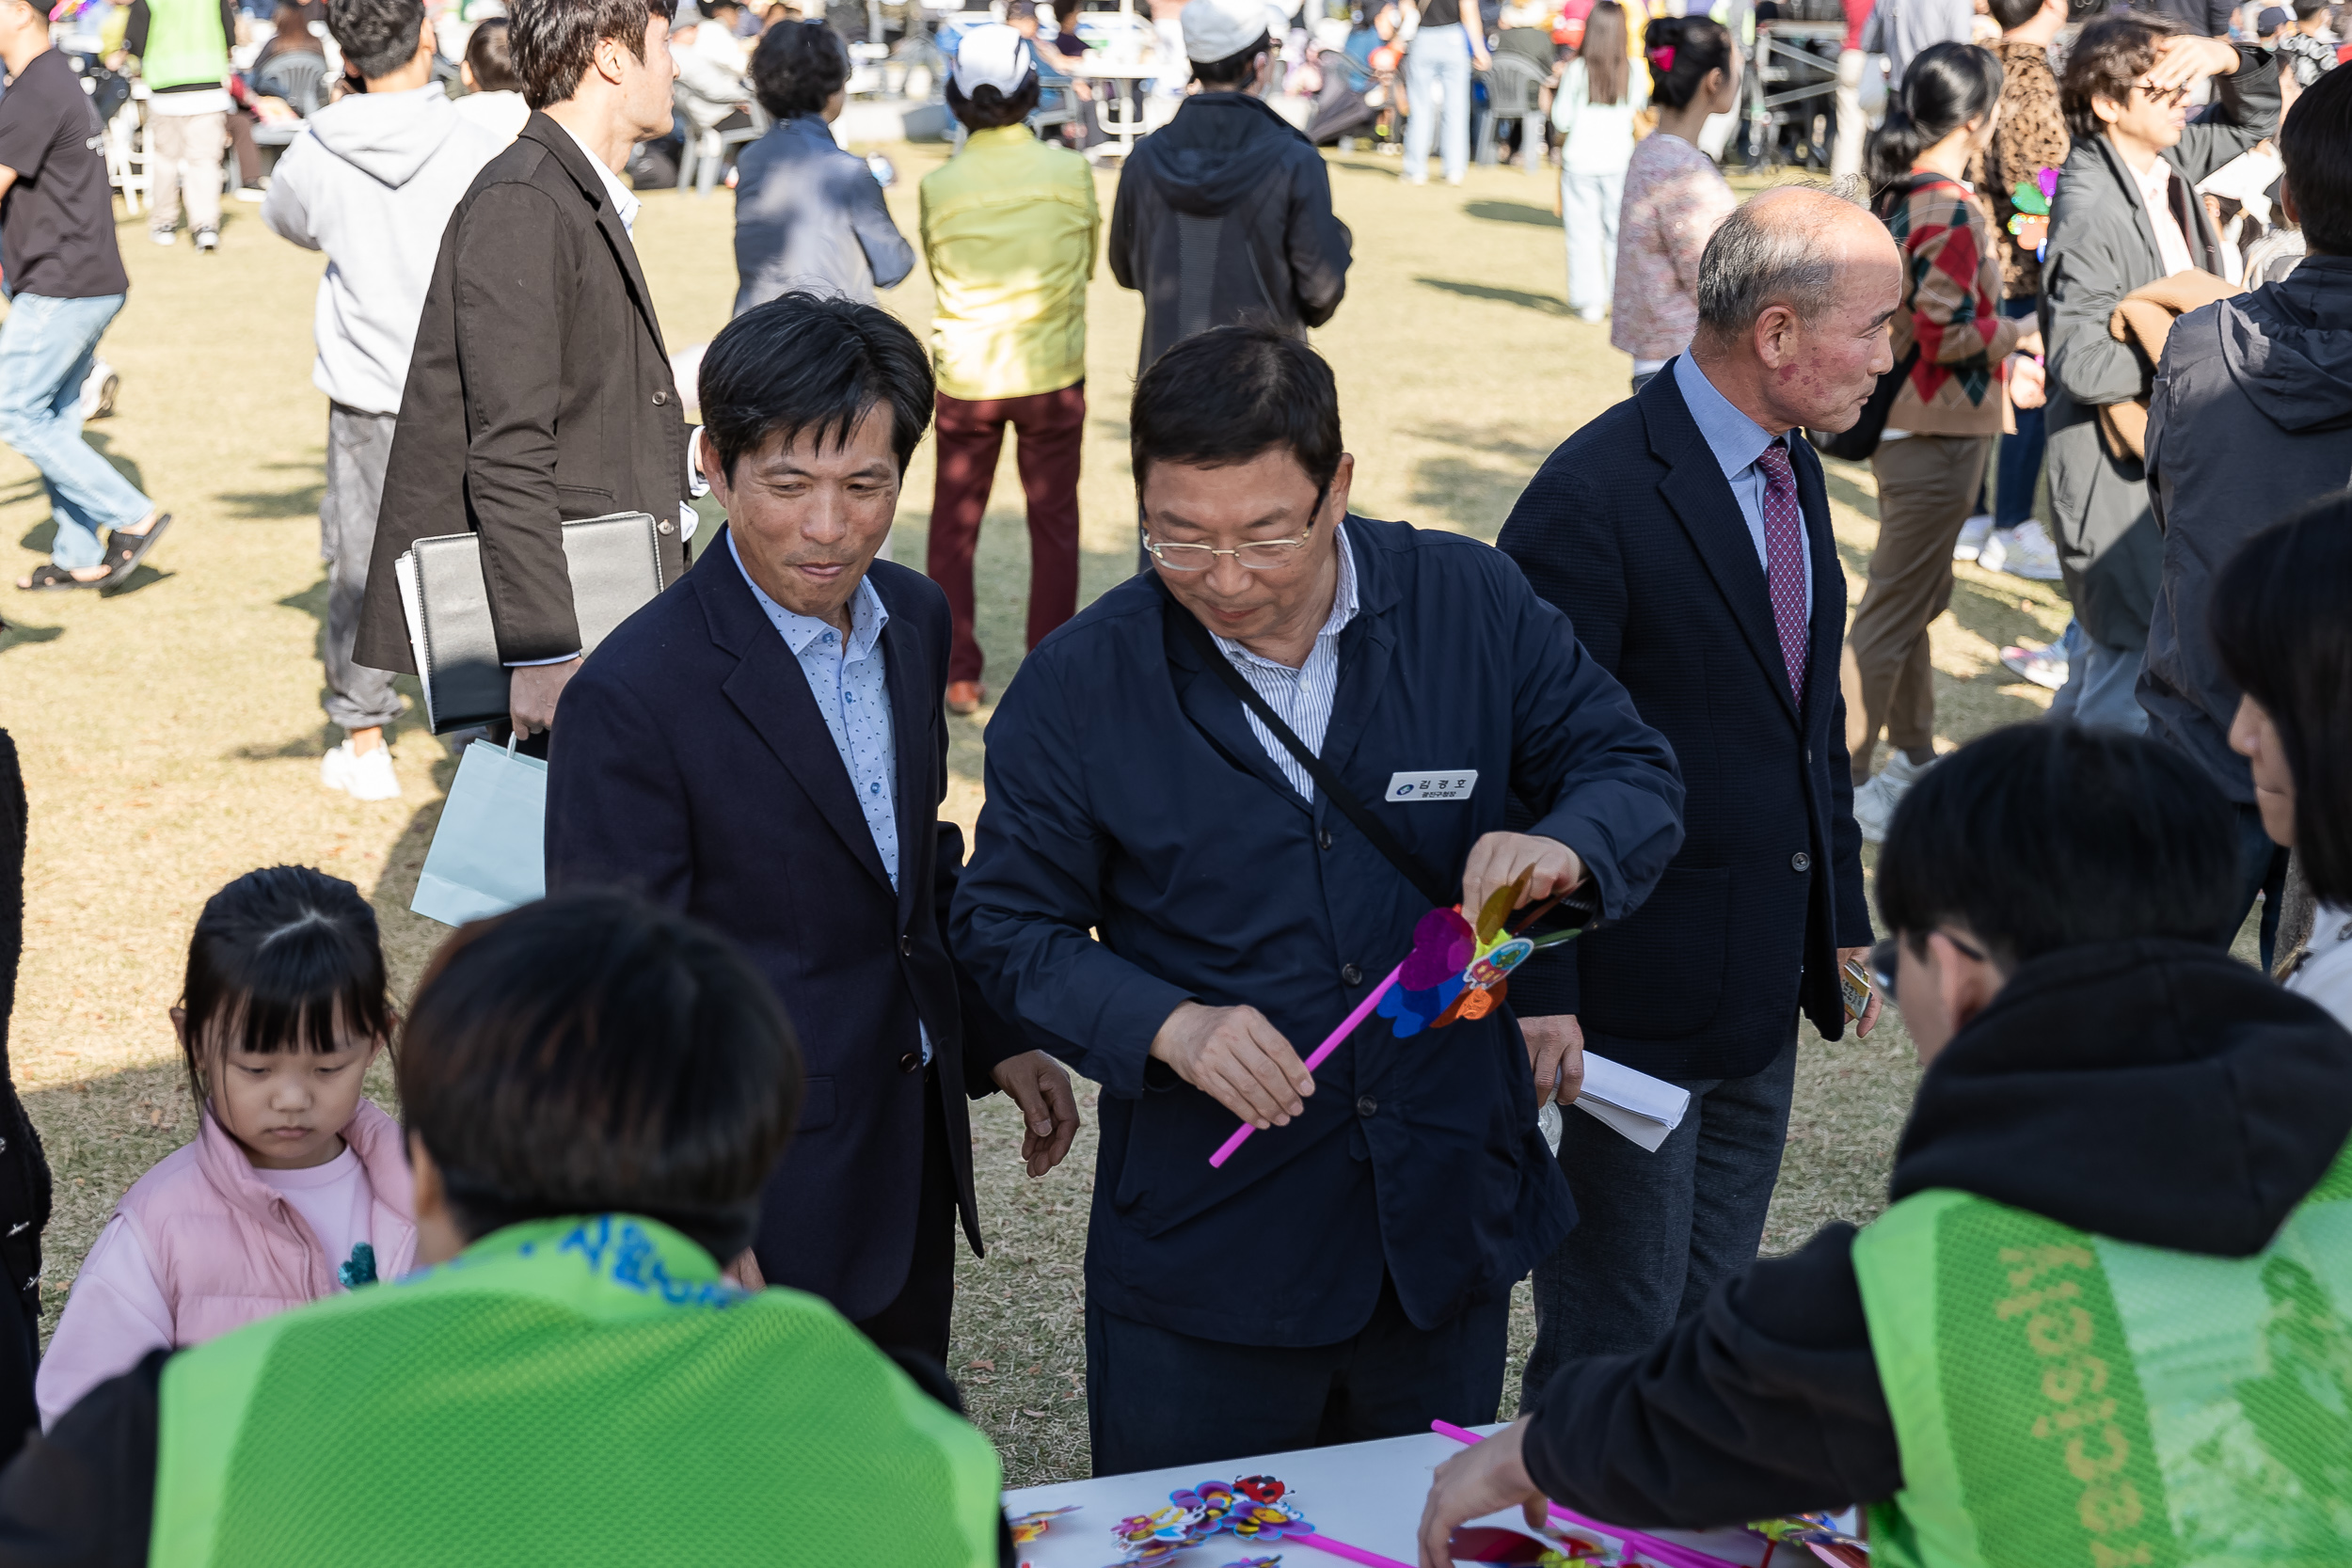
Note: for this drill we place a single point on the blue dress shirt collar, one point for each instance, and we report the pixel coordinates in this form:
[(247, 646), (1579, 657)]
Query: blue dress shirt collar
[(866, 615)]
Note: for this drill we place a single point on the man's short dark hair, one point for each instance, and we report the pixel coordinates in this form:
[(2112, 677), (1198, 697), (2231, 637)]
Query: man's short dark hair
[(1231, 395), (2278, 620), (490, 58), (2014, 13), (377, 36), (814, 363), (2315, 144), (554, 41), (2050, 835), (2109, 55), (987, 109), (797, 67), (1233, 69), (592, 1053)]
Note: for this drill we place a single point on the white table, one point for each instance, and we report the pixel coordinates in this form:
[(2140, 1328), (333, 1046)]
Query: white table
[(1368, 1495), (1128, 126)]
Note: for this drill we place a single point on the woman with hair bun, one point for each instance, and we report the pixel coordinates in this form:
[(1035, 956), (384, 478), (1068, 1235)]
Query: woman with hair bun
[(1952, 344), (1674, 195)]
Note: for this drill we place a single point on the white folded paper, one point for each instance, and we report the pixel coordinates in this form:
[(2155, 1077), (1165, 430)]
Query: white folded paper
[(1645, 1109)]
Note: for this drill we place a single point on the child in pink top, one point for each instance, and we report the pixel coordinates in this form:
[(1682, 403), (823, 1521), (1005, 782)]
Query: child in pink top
[(1675, 196), (297, 1185)]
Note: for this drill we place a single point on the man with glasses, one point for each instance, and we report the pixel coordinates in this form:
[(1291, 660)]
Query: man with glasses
[(1218, 802), (2127, 215), (2105, 1321)]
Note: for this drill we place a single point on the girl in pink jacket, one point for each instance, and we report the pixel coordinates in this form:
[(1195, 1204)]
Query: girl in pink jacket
[(297, 1185)]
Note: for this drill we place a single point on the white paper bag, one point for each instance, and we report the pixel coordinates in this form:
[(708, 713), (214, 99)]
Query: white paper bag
[(1645, 1109), (489, 852)]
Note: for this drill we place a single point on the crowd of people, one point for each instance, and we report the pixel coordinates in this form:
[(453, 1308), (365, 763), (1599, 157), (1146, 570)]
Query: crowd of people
[(692, 1136)]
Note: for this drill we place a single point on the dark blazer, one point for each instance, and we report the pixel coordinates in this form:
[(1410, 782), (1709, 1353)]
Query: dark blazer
[(691, 765), (1630, 528), (1139, 850), (25, 1191), (538, 392)]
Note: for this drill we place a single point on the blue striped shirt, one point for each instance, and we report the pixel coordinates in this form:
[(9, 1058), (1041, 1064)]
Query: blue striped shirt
[(1302, 697)]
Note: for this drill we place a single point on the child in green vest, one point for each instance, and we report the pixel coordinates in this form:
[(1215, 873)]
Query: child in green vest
[(2108, 1320), (593, 1092)]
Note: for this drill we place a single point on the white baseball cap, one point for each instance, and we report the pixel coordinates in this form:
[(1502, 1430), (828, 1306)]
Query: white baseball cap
[(1219, 29), (992, 57)]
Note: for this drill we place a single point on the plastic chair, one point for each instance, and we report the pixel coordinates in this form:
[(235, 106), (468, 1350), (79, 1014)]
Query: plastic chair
[(702, 158), (1514, 91), (126, 157), (300, 79)]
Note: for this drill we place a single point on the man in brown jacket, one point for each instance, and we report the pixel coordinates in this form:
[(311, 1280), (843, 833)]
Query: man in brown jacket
[(540, 390)]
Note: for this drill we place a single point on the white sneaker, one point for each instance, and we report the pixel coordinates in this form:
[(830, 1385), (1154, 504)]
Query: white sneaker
[(362, 775), (165, 237), (1971, 541), (2045, 666), (2024, 551), (1874, 803)]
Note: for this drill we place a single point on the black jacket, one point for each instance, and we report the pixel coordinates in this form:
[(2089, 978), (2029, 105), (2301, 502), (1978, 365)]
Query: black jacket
[(2251, 418), (23, 1170), (1633, 530), (2101, 248), (538, 392), (691, 766), (1224, 213), (2156, 1092)]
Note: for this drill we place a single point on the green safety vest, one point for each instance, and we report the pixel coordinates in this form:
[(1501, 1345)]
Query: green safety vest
[(183, 44), (588, 1392), (2066, 1401)]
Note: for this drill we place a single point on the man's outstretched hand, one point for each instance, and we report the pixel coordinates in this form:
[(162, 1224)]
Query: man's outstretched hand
[(1049, 1111), (1497, 860), (1484, 1477), (1237, 1056)]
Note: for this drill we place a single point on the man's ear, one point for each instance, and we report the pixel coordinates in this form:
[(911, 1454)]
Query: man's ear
[(714, 472), (2287, 207), (1775, 336), (1968, 985), (2106, 108)]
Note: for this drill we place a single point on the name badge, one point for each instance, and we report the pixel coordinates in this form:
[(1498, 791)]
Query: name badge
[(1445, 784)]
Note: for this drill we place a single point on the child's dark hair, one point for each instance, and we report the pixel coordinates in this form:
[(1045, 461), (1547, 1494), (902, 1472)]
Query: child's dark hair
[(990, 108), (491, 54), (1944, 86), (590, 1054), (1681, 51), (798, 67), (283, 958)]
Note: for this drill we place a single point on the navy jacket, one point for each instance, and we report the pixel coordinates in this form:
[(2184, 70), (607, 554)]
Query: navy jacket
[(1139, 850), (690, 764), (1631, 530)]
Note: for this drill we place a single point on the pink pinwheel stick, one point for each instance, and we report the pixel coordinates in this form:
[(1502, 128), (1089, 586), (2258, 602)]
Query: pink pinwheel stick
[(1649, 1545), (1347, 1027), (1340, 1548)]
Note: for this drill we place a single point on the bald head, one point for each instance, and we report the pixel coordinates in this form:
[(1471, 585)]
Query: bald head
[(1787, 247)]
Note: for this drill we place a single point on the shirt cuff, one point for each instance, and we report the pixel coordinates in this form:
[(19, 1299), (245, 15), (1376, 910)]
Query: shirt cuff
[(534, 663)]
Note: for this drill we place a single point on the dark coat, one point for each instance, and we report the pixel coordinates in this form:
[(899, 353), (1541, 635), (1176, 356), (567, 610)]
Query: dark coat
[(1631, 529), (2156, 1092), (25, 1191), (539, 392), (691, 766), (809, 214), (1139, 850), (1225, 214), (2101, 248), (2251, 420)]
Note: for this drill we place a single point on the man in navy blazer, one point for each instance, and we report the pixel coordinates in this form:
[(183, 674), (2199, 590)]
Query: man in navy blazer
[(1686, 533), (1163, 895), (765, 748)]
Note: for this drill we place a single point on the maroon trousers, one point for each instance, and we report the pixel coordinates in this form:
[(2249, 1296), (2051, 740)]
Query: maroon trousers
[(1052, 425)]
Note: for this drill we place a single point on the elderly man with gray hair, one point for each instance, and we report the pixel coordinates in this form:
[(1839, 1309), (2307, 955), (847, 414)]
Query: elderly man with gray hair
[(1686, 535)]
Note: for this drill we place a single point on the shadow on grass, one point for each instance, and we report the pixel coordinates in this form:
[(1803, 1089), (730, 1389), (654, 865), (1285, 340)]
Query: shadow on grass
[(1549, 305), (14, 633), (1512, 212), (98, 1135), (1477, 479), (258, 506)]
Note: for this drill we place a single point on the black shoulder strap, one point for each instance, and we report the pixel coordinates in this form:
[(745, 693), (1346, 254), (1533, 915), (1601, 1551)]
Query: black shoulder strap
[(1432, 886)]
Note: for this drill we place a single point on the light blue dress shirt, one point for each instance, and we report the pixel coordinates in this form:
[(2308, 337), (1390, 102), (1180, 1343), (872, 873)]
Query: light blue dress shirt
[(1737, 442), (846, 678), (1301, 697)]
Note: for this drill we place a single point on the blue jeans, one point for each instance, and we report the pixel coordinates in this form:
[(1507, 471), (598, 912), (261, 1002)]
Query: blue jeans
[(46, 348), (1590, 203), (2102, 687), (2020, 461), (1437, 70)]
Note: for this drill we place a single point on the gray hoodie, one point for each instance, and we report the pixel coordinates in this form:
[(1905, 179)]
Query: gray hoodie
[(372, 181), (2251, 420)]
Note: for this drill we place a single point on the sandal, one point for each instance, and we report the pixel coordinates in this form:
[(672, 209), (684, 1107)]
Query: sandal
[(49, 577), (124, 551)]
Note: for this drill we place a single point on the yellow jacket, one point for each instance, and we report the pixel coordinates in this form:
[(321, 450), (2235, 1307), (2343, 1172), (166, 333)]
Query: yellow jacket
[(1009, 232)]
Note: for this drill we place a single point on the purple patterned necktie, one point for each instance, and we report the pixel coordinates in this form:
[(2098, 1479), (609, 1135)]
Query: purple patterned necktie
[(1784, 561)]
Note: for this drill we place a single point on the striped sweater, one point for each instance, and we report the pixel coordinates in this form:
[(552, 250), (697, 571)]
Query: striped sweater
[(1951, 308)]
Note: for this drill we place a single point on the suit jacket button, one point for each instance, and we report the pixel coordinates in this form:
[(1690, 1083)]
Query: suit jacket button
[(660, 398), (1322, 839), (1801, 862), (1366, 1106), (1350, 974), (906, 946), (909, 1062)]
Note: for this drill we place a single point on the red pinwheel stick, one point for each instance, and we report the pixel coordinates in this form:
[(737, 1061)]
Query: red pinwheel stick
[(1315, 1058), (1648, 1545)]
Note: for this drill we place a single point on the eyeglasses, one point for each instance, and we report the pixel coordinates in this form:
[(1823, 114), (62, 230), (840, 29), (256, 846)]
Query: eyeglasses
[(1882, 956), (1266, 555), (2163, 98)]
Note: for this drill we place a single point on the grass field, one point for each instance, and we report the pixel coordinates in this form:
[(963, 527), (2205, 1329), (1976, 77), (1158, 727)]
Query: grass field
[(171, 736)]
